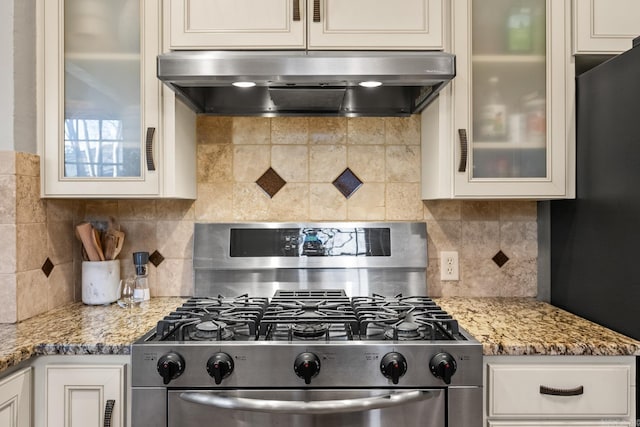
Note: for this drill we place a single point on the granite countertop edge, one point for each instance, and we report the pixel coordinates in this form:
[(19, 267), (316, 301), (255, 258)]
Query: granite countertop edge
[(504, 326), (526, 326)]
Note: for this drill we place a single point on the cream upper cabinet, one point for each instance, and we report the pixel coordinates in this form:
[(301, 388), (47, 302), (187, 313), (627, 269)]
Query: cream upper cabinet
[(85, 395), (363, 24), (15, 399), (299, 24), (605, 26), (107, 127), (225, 24), (503, 129), (560, 391)]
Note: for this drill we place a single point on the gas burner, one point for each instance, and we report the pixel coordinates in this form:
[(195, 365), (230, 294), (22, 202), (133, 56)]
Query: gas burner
[(211, 330), (310, 330), (404, 331)]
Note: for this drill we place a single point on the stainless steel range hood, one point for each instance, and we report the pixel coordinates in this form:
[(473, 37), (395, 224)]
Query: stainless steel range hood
[(306, 82)]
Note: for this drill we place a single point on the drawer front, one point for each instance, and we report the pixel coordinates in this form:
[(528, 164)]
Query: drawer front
[(598, 391), (558, 424)]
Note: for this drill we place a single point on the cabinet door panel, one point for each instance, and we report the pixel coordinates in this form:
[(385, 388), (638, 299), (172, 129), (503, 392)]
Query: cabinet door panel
[(77, 395), (405, 24), (520, 147), (97, 101), (605, 26), (225, 24), (15, 399)]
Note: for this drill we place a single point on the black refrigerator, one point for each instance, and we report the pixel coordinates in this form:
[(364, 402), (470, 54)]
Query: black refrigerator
[(595, 239)]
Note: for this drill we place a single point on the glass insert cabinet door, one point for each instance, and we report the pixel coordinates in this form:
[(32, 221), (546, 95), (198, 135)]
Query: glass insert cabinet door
[(508, 97), (102, 89)]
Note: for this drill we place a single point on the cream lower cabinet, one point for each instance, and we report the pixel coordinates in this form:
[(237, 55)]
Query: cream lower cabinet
[(299, 24), (107, 127), (85, 395), (552, 391), (81, 390), (15, 399), (605, 26), (503, 128)]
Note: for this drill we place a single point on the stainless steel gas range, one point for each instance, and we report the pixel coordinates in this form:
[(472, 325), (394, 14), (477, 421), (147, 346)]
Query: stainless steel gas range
[(319, 324)]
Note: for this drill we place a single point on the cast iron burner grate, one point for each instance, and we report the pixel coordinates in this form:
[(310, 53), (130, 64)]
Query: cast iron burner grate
[(213, 319), (309, 315), (403, 318)]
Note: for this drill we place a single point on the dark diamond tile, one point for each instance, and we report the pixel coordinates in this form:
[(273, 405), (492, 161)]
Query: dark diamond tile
[(347, 183), (500, 259), (156, 258), (271, 182), (47, 267)]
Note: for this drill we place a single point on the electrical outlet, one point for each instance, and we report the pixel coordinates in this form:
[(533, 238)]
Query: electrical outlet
[(449, 269)]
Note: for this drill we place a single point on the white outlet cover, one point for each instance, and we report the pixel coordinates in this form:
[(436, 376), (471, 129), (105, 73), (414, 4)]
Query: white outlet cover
[(449, 268)]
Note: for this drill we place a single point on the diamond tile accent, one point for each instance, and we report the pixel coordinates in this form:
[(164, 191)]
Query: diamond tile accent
[(500, 259), (156, 258), (271, 182), (47, 267), (347, 183)]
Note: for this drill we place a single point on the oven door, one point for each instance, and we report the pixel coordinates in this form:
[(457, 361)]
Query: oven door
[(293, 408)]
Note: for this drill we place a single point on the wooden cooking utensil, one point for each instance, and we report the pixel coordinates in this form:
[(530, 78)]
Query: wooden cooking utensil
[(98, 245), (88, 239), (119, 244)]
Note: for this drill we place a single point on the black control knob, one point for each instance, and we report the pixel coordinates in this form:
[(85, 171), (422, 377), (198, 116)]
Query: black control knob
[(443, 366), (307, 366), (170, 367), (393, 366), (220, 366)]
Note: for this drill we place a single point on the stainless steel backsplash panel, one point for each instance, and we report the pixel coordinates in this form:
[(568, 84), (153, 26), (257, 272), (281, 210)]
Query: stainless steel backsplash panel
[(216, 272)]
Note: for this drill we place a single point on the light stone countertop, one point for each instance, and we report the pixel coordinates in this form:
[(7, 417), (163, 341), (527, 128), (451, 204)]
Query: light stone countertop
[(81, 329), (525, 326), (504, 326)]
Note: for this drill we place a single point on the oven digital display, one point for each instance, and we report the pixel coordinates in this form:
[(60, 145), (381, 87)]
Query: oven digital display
[(310, 242)]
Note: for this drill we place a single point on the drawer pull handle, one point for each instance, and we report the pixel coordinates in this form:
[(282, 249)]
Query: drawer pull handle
[(464, 150), (316, 10), (562, 392), (108, 412), (296, 10), (149, 149)]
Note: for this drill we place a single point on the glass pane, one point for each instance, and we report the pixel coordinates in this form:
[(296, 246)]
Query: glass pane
[(102, 89), (509, 89)]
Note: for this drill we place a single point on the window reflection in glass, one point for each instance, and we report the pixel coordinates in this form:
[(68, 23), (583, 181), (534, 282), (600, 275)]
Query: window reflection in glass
[(96, 148)]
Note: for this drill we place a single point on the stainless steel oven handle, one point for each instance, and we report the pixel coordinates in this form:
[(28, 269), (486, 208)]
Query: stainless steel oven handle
[(298, 407)]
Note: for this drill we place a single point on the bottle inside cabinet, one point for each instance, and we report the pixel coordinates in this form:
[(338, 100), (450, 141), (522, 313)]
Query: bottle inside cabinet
[(493, 113), (519, 29)]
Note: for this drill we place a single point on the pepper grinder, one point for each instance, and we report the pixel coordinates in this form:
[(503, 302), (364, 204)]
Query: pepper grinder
[(141, 290)]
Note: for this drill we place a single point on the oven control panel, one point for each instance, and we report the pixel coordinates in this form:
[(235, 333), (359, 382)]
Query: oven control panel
[(265, 364)]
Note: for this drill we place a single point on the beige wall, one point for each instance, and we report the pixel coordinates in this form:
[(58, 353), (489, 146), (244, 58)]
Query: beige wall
[(32, 230), (308, 153)]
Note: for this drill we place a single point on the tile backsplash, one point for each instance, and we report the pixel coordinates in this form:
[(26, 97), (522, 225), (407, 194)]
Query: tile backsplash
[(233, 153)]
